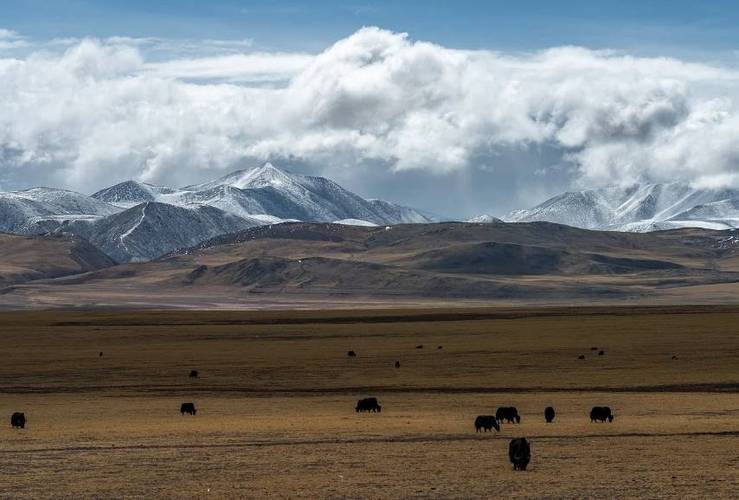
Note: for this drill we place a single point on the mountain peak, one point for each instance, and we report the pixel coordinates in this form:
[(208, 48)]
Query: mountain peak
[(256, 177)]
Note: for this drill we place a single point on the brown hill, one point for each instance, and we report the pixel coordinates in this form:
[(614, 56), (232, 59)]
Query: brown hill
[(522, 262), (27, 258)]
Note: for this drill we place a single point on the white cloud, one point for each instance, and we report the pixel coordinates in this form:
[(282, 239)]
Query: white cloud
[(102, 111), (9, 40)]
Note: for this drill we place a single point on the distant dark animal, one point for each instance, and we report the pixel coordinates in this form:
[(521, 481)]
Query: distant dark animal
[(601, 353), (368, 405), (439, 348), (101, 354), (581, 356), (351, 354), (419, 346), (18, 420), (509, 414), (674, 357), (487, 423), (397, 364), (519, 453), (549, 414), (194, 374), (188, 408), (593, 348), (601, 414)]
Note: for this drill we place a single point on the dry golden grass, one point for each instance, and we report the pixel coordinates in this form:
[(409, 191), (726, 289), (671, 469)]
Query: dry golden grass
[(276, 398)]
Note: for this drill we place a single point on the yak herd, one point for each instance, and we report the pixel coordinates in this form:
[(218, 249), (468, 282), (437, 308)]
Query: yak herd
[(519, 449)]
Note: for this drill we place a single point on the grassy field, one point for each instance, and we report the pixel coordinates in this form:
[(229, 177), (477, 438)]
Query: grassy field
[(276, 394)]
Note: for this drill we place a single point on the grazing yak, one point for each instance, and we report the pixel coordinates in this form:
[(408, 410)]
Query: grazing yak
[(549, 414), (601, 353), (188, 408), (368, 405), (519, 452), (351, 354), (486, 423), (194, 374), (419, 346), (581, 356), (397, 364), (601, 414), (509, 414), (18, 420)]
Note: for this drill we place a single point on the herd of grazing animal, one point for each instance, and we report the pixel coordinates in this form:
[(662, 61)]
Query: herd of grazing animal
[(519, 449)]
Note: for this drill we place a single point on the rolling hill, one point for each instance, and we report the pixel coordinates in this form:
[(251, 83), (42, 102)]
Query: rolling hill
[(525, 262)]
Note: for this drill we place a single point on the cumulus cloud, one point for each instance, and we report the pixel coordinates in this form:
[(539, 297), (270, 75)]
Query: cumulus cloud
[(102, 111)]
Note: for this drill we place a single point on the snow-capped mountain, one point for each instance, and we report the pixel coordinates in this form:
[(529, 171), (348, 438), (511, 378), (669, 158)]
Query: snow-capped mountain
[(638, 208), (151, 229), (133, 221), (24, 212), (270, 194)]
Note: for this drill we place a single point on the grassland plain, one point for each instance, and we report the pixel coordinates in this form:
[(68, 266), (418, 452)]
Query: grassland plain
[(276, 393)]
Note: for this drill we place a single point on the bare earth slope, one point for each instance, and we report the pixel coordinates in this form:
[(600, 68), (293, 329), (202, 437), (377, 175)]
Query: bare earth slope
[(26, 258)]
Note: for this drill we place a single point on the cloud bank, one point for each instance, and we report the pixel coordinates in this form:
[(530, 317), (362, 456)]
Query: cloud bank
[(99, 111)]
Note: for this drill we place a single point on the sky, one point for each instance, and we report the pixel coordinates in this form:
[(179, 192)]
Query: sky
[(459, 108)]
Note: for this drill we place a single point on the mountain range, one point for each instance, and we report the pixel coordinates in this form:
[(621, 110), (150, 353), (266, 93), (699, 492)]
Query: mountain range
[(136, 221), (639, 208)]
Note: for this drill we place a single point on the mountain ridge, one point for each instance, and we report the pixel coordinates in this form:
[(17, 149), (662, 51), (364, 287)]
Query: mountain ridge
[(637, 208), (118, 219), (272, 192)]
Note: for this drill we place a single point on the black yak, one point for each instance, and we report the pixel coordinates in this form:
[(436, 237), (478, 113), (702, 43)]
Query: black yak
[(601, 414), (519, 452), (549, 414), (368, 405), (18, 420), (486, 423), (509, 414), (188, 408)]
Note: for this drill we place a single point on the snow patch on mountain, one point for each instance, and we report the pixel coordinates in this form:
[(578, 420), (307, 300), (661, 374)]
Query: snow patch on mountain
[(131, 193), (485, 219), (355, 222)]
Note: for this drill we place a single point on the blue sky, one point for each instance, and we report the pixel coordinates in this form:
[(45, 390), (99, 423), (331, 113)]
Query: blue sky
[(691, 29)]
